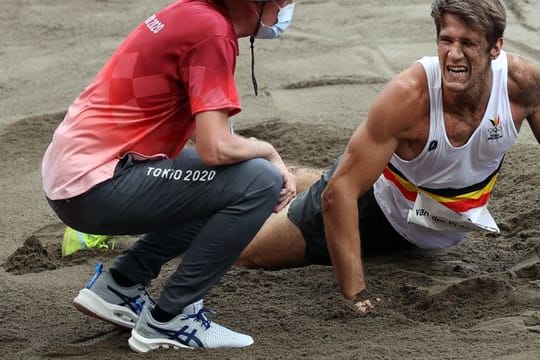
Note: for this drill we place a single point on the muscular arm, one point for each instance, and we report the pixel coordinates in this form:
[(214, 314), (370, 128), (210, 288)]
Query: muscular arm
[(534, 121), (534, 116), (392, 121), (524, 91), (364, 159)]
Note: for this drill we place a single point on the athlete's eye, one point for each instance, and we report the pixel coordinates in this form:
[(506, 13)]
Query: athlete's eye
[(444, 41)]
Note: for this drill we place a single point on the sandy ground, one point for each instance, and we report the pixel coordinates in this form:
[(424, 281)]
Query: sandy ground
[(478, 300)]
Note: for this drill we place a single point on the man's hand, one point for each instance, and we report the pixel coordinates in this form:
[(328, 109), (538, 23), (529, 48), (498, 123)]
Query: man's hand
[(363, 306), (362, 302), (288, 192)]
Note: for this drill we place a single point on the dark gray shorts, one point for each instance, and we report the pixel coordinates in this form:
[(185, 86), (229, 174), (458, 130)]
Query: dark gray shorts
[(377, 235)]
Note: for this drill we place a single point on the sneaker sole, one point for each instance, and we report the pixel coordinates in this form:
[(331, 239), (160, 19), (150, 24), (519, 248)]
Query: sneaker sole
[(140, 344), (91, 304)]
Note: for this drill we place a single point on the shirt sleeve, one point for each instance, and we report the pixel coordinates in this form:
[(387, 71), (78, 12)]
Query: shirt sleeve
[(207, 71)]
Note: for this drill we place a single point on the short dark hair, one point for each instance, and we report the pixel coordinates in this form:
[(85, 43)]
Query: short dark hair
[(486, 16)]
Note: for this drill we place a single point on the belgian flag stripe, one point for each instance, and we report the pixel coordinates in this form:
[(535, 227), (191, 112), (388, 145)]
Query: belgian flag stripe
[(456, 199)]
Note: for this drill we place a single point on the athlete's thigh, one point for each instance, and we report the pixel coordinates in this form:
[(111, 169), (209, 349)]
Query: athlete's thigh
[(278, 244)]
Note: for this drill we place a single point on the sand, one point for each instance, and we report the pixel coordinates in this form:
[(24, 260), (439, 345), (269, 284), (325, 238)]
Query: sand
[(478, 300)]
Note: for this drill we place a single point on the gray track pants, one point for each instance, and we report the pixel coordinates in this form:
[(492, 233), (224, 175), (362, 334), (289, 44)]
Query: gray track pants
[(209, 214)]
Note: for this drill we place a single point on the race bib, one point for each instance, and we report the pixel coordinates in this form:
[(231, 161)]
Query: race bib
[(429, 213)]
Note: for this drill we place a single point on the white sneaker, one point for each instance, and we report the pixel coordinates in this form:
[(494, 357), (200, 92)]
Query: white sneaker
[(104, 299), (187, 330)]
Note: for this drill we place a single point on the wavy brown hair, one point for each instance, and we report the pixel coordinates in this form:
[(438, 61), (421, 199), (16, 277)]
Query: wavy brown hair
[(485, 16)]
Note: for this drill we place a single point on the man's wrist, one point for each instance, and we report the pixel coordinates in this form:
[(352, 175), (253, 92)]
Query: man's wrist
[(360, 296), (357, 298)]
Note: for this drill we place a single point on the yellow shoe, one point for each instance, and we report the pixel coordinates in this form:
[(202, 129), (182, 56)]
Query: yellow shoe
[(76, 240)]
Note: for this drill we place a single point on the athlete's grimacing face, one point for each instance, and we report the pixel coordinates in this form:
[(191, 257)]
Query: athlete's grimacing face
[(463, 53)]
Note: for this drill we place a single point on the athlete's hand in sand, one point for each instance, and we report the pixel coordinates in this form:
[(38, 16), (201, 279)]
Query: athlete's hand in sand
[(362, 302), (363, 306)]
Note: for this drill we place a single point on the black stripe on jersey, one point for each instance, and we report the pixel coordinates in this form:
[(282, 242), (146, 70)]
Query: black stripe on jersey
[(451, 192)]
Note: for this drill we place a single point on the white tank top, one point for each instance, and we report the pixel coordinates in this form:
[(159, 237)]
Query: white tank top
[(461, 178)]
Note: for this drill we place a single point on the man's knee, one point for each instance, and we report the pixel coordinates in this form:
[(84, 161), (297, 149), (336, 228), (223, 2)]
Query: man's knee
[(247, 260), (266, 178), (254, 257)]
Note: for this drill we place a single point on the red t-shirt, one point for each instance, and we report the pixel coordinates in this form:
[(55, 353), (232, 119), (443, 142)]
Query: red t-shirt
[(177, 63)]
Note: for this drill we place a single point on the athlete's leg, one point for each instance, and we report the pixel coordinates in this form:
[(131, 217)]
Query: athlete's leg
[(285, 243), (278, 244), (305, 177)]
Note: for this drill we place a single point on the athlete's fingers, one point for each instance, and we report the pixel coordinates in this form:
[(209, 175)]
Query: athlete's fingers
[(363, 306)]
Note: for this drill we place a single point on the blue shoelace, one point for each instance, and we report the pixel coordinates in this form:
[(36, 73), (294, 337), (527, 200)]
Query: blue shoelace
[(199, 316)]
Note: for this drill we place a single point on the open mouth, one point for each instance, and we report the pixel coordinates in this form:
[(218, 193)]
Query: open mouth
[(457, 69), (457, 72)]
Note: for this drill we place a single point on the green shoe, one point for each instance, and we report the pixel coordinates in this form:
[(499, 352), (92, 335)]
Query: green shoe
[(75, 240)]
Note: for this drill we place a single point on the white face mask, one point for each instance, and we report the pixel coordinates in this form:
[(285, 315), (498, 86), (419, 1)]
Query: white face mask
[(284, 19)]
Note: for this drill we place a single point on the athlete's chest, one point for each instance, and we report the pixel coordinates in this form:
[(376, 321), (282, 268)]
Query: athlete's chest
[(459, 129)]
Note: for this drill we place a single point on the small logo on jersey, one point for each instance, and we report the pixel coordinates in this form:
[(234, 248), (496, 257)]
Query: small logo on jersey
[(433, 145), (495, 131), (153, 24)]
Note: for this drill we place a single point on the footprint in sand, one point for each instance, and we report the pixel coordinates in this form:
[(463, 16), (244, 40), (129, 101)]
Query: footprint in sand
[(528, 321), (528, 267)]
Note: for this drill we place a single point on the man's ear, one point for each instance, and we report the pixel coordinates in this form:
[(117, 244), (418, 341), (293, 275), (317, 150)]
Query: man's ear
[(496, 48)]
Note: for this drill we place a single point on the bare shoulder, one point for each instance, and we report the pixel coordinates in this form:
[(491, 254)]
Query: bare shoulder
[(409, 83), (403, 101), (393, 121), (405, 96), (523, 81)]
